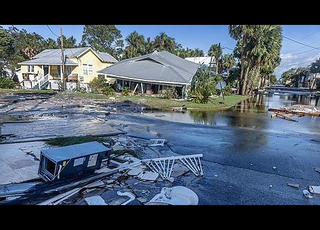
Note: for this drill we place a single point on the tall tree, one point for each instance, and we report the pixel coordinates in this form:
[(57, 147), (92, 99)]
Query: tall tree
[(103, 38), (136, 45), (149, 45), (6, 51), (315, 69), (216, 52), (164, 42), (257, 45), (67, 42), (228, 61), (51, 44)]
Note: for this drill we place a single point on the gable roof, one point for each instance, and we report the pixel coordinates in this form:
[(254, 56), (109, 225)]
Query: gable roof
[(53, 56), (160, 67)]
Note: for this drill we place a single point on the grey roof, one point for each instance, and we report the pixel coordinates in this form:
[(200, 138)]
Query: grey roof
[(53, 60), (53, 56), (106, 57), (160, 67), (74, 151)]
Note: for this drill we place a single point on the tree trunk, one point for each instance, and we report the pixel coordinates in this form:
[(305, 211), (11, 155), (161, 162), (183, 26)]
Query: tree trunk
[(242, 64), (217, 64), (245, 79), (210, 63)]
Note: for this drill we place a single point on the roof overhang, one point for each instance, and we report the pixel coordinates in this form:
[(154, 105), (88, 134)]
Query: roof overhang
[(144, 80), (67, 64)]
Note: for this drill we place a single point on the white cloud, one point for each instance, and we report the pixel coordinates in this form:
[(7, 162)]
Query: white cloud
[(289, 61)]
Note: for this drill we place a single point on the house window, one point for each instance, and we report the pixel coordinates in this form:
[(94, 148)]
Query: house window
[(30, 68), (87, 69)]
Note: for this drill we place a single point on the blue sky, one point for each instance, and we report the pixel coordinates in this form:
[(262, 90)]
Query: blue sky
[(203, 36)]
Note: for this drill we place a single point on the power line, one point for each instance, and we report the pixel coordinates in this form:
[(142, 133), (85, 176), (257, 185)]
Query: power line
[(310, 35), (52, 31), (300, 43)]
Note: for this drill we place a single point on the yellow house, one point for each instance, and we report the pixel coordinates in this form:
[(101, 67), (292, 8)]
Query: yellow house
[(44, 71)]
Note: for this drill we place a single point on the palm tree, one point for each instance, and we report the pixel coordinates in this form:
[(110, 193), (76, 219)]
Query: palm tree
[(228, 62), (164, 42), (257, 45), (215, 51), (136, 45), (149, 45)]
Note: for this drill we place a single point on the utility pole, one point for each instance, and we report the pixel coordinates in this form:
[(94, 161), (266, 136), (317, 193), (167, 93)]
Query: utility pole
[(64, 85)]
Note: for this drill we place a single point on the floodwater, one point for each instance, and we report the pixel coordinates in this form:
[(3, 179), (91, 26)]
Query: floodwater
[(253, 114)]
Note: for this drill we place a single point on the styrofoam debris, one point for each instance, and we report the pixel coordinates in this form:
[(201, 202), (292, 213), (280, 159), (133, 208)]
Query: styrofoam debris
[(95, 200), (151, 176), (307, 194), (135, 172), (314, 189)]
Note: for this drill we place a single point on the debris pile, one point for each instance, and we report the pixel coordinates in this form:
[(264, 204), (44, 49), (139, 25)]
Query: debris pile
[(298, 109)]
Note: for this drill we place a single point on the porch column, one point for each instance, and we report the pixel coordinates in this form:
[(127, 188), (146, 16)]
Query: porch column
[(141, 88), (61, 74)]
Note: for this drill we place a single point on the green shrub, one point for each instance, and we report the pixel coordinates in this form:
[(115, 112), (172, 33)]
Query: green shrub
[(98, 84), (108, 91), (125, 91), (170, 93), (203, 86), (6, 83)]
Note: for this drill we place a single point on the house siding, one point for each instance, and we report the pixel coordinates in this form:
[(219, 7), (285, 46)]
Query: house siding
[(90, 58)]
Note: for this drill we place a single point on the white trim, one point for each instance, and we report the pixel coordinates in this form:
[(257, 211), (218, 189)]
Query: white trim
[(87, 69), (138, 79)]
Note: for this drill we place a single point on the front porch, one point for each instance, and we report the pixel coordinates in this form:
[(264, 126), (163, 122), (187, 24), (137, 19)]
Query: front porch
[(147, 88), (48, 77)]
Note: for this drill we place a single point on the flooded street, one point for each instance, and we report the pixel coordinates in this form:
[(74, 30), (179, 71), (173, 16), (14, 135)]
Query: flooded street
[(253, 114), (248, 157)]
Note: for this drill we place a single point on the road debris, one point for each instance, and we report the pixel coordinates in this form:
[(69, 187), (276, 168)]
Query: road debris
[(156, 142), (128, 194), (293, 185), (95, 200), (298, 109), (317, 170), (164, 166), (314, 189), (149, 176), (178, 195), (72, 160), (307, 194)]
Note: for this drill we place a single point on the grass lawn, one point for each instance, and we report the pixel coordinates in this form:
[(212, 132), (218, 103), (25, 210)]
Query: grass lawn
[(167, 104), (26, 91)]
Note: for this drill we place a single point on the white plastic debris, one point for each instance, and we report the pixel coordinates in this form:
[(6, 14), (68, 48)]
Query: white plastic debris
[(178, 195), (293, 185), (156, 142), (128, 194), (314, 189), (95, 200), (164, 166), (135, 172), (317, 170), (151, 176), (274, 168), (307, 194)]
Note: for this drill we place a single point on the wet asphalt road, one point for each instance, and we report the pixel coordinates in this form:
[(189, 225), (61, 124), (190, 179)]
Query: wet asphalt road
[(239, 162)]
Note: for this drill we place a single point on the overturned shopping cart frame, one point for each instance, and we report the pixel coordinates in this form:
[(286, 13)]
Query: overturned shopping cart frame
[(164, 166)]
